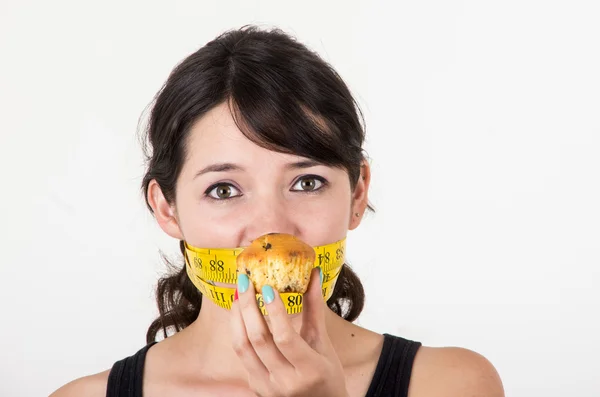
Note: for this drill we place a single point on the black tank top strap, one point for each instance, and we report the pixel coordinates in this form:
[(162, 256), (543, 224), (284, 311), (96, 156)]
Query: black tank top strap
[(394, 368), (126, 376)]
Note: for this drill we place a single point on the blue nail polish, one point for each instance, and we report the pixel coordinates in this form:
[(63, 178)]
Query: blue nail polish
[(268, 294), (321, 275), (243, 283)]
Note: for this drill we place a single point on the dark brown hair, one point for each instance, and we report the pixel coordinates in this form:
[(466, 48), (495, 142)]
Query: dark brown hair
[(283, 97)]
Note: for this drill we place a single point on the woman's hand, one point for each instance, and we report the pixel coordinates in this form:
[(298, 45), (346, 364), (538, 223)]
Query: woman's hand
[(280, 361)]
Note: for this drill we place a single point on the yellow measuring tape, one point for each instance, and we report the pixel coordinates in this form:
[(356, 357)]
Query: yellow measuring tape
[(207, 266)]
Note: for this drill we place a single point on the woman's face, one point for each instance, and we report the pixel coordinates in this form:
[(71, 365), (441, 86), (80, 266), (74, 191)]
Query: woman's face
[(231, 191)]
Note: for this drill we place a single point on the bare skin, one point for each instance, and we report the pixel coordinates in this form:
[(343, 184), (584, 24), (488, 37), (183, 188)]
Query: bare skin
[(237, 352)]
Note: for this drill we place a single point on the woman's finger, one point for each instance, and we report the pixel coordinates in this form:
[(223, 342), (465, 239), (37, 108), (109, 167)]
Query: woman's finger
[(288, 341), (257, 330), (243, 348), (314, 331)]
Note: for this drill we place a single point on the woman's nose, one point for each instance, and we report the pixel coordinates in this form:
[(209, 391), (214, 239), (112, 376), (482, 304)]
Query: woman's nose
[(271, 216)]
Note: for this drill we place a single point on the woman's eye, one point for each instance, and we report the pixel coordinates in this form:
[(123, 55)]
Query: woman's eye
[(222, 191), (308, 184)]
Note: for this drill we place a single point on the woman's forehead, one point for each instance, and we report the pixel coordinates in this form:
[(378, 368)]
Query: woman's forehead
[(216, 126), (216, 138)]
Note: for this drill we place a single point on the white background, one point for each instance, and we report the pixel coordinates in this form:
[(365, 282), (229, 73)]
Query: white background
[(484, 132)]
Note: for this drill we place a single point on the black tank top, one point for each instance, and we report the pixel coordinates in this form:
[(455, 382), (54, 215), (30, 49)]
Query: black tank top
[(391, 377)]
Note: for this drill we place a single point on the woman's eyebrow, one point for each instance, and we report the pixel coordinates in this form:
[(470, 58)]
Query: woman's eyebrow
[(220, 167)]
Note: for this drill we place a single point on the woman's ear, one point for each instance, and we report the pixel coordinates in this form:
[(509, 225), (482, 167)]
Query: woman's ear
[(360, 196), (163, 212)]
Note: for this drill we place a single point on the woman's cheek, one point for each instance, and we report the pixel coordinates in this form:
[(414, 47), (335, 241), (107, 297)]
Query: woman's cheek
[(211, 224), (324, 220)]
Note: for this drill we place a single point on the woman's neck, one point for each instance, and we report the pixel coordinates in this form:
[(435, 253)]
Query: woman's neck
[(207, 343)]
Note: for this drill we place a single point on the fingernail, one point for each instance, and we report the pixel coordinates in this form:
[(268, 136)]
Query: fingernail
[(268, 294), (321, 275), (236, 295), (243, 282)]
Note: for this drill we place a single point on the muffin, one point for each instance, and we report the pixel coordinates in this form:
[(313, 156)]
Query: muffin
[(279, 260)]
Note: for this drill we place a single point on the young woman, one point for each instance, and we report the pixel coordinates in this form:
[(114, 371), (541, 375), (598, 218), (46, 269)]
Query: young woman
[(255, 134)]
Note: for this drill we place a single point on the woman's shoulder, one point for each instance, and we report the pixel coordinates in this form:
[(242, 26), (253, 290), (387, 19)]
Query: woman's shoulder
[(97, 385), (89, 386), (453, 371)]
